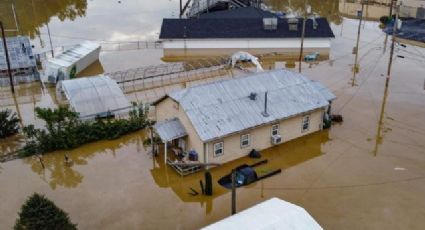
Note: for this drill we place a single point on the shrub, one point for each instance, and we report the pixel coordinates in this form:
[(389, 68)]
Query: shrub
[(9, 123), (65, 131), (40, 213)]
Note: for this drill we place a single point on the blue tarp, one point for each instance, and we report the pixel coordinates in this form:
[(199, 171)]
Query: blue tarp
[(412, 29)]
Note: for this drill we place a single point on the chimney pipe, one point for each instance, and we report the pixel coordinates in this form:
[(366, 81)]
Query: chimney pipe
[(264, 113)]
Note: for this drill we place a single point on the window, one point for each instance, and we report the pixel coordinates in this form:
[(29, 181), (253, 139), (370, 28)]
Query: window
[(218, 149), (306, 123), (245, 140), (275, 130)]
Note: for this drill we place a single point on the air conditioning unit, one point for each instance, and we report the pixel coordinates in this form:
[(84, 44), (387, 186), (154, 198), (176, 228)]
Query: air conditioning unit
[(276, 139)]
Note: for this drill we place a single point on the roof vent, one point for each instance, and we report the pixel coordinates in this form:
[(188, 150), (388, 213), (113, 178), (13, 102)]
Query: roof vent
[(315, 24), (293, 24), (270, 23), (253, 96)]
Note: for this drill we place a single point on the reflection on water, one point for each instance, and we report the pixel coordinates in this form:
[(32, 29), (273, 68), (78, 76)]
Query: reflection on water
[(283, 156), (34, 14), (324, 8), (55, 171)]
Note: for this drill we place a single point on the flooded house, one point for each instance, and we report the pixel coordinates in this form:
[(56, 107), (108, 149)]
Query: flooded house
[(224, 120), (243, 29), (22, 61)]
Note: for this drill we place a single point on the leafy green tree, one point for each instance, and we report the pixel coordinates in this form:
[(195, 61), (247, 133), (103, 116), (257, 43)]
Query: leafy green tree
[(39, 213), (64, 130), (9, 123)]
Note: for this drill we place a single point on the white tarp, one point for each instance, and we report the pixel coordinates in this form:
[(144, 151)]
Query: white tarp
[(272, 214), (95, 96)]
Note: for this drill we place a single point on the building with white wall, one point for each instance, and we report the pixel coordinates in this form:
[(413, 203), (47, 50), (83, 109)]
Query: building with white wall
[(243, 29)]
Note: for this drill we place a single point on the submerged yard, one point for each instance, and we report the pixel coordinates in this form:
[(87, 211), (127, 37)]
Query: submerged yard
[(365, 173)]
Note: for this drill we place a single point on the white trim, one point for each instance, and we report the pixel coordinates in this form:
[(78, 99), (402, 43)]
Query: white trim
[(303, 121), (215, 148), (243, 136), (272, 129)]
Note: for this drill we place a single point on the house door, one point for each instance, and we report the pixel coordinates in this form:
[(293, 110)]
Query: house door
[(182, 144)]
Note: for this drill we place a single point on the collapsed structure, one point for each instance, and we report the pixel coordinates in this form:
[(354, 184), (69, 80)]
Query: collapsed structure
[(22, 61)]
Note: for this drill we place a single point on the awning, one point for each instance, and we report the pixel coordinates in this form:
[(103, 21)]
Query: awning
[(170, 129)]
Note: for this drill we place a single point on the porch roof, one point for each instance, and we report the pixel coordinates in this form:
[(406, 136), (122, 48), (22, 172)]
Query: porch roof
[(169, 130)]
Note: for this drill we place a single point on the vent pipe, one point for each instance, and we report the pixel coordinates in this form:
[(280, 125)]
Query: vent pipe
[(265, 113)]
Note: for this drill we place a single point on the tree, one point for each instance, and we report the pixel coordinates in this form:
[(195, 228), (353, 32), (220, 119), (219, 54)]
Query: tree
[(40, 213), (8, 123)]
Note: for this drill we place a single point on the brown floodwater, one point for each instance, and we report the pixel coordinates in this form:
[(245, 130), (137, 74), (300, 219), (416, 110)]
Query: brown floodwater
[(366, 173)]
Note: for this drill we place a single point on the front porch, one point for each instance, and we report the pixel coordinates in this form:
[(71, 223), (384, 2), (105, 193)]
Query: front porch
[(174, 141)]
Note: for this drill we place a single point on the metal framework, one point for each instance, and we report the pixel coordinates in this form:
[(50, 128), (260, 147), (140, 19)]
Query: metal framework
[(150, 77)]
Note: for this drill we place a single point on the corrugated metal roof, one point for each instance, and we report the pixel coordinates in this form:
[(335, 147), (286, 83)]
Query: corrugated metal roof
[(269, 215), (221, 108), (72, 55), (324, 91), (20, 53), (93, 96), (170, 129)]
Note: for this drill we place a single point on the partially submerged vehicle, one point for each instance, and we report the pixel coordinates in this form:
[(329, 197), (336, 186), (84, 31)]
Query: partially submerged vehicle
[(245, 175), (312, 56), (68, 64)]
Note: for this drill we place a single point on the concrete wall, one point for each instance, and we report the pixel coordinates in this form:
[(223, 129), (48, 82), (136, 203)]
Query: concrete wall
[(168, 109), (260, 137)]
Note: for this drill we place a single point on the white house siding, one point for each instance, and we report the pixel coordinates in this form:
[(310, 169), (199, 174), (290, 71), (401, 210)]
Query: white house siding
[(168, 109), (247, 43), (201, 47), (260, 137)]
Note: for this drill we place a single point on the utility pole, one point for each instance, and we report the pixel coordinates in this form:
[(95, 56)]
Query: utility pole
[(302, 37), (391, 8), (6, 52), (50, 38), (356, 67), (181, 8), (392, 46), (233, 192)]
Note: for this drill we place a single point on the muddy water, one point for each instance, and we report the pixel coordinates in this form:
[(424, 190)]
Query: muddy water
[(366, 173)]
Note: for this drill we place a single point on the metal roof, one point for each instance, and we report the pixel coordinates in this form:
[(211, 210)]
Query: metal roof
[(74, 54), (170, 129), (232, 28), (20, 53), (328, 95), (95, 96), (222, 108), (269, 215)]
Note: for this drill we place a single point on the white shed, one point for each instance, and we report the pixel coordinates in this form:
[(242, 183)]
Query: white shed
[(93, 97)]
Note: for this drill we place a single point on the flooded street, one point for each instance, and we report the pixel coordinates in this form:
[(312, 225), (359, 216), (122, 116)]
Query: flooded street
[(365, 173)]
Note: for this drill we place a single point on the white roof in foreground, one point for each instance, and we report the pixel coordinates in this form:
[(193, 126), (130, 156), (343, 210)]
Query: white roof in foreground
[(71, 56), (272, 214), (224, 107), (93, 96)]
